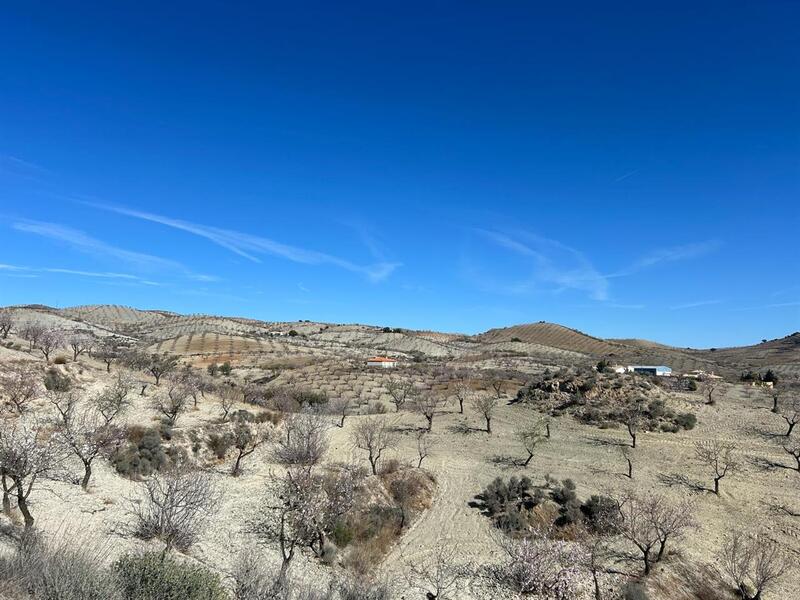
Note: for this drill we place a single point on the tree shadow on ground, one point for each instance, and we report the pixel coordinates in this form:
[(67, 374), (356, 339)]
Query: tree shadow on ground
[(681, 480), (463, 428), (767, 464), (507, 462), (767, 436), (603, 441)]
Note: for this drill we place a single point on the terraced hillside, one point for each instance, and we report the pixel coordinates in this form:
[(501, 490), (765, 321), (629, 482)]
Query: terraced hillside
[(553, 336)]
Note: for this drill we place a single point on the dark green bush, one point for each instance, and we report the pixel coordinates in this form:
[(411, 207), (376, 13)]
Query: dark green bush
[(686, 420), (55, 381), (149, 576), (219, 444), (143, 454)]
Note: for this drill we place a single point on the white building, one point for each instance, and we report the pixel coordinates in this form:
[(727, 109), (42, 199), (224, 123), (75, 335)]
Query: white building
[(383, 362), (660, 370)]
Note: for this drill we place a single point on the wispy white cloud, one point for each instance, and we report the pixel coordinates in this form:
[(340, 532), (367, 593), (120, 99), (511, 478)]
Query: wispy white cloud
[(85, 243), (251, 246), (30, 272), (773, 305), (669, 255), (554, 265), (697, 304), (626, 175)]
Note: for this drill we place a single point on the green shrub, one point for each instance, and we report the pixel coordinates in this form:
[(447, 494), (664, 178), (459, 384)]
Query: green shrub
[(143, 454), (226, 369), (686, 420), (219, 444), (635, 591), (148, 576), (55, 381), (342, 534), (60, 360)]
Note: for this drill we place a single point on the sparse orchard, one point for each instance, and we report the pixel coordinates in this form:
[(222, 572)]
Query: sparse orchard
[(401, 391), (428, 405), (19, 385), (375, 436), (6, 323), (718, 456), (49, 341)]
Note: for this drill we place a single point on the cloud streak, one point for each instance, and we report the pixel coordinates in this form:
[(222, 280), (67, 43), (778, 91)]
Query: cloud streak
[(251, 246), (29, 272), (697, 304)]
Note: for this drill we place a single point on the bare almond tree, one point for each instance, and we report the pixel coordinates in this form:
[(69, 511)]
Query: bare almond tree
[(719, 456), (172, 403), (28, 453), (305, 440), (229, 397), (649, 521), (634, 419), (793, 450), (428, 405), (114, 399), (65, 402), (19, 385), (247, 438), (439, 578), (175, 506), (79, 343), (375, 436), (485, 405), (401, 392), (531, 437), (87, 435), (710, 385), (31, 331), (753, 562), (463, 392), (340, 407), (424, 446), (6, 323), (790, 412), (109, 350), (50, 341)]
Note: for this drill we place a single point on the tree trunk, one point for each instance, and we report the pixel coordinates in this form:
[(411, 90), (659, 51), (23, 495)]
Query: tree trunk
[(341, 423), (419, 464), (716, 485), (646, 559), (775, 403), (528, 460), (87, 474), (235, 471), (791, 426), (633, 440), (108, 366), (630, 468), (22, 503), (461, 406), (661, 548), (430, 423), (547, 430), (597, 594), (488, 425), (374, 463)]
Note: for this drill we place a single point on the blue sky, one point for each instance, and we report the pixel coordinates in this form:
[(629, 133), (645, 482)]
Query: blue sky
[(627, 169)]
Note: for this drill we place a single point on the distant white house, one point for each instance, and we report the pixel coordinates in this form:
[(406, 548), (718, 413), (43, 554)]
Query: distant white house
[(383, 362), (660, 370)]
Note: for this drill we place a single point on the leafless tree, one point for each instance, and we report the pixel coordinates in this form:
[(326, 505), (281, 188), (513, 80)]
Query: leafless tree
[(719, 456), (485, 405), (87, 434), (6, 323), (497, 381), (627, 454), (31, 331), (650, 521), (424, 445), (65, 402), (710, 385), (375, 436), (793, 450), (19, 385), (229, 397), (634, 419), (753, 562), (173, 403), (439, 578), (339, 407), (49, 341), (79, 343), (790, 412), (28, 453), (427, 405), (299, 510), (114, 399), (247, 438), (401, 391), (305, 440), (462, 392), (174, 507), (531, 437), (109, 350)]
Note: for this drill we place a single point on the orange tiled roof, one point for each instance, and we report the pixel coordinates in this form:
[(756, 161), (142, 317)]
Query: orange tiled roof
[(381, 359)]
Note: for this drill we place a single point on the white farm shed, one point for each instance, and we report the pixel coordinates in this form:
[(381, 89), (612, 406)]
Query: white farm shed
[(383, 362)]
